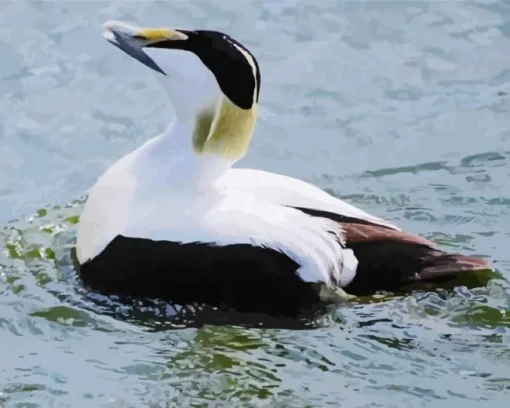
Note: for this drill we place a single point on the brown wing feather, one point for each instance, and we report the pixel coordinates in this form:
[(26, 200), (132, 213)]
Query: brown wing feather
[(370, 232)]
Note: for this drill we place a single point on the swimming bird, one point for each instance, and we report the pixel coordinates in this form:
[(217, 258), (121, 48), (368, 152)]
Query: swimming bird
[(174, 220)]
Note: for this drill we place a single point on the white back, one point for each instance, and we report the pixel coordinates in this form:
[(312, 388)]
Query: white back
[(284, 190)]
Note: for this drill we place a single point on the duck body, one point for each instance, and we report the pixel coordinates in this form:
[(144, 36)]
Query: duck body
[(173, 220), (174, 246)]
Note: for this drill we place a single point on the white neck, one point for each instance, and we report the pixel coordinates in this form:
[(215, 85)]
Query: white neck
[(168, 161)]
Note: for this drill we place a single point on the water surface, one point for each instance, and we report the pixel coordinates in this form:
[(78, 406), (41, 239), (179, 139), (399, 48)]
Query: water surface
[(401, 108)]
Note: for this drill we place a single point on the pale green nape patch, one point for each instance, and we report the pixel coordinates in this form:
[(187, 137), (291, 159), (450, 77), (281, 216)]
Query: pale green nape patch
[(227, 132), (202, 128)]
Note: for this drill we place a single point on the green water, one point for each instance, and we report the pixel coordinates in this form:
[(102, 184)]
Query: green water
[(400, 108)]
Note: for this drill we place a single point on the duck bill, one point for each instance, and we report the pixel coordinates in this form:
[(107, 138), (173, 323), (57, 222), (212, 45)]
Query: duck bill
[(132, 40)]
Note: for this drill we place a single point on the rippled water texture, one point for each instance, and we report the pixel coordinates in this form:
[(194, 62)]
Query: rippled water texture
[(401, 108)]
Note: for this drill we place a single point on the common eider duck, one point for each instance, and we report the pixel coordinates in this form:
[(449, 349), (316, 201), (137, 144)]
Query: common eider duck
[(173, 220)]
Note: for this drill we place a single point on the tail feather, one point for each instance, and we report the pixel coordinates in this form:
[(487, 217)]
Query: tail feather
[(391, 265), (439, 263)]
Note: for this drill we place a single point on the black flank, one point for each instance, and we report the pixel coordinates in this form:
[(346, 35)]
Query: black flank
[(244, 277)]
